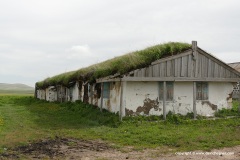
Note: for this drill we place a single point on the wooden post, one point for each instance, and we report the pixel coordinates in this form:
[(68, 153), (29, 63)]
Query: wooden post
[(195, 56), (101, 97), (164, 100), (194, 48), (194, 100), (121, 102)]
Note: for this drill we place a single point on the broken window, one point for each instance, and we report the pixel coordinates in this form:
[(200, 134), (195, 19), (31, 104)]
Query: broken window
[(106, 90), (98, 89), (202, 91), (169, 89)]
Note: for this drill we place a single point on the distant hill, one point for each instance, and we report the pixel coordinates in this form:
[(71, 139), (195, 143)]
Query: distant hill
[(17, 88)]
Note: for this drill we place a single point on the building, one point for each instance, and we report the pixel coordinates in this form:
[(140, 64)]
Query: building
[(236, 93), (192, 81)]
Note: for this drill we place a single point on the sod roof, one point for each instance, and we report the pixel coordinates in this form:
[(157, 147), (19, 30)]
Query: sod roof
[(121, 64)]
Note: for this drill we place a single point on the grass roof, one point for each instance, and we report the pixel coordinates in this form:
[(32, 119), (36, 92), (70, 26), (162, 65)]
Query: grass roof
[(121, 64)]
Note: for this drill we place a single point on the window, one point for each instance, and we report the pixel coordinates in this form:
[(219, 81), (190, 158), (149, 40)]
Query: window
[(202, 91), (169, 88), (106, 90), (98, 89), (90, 90), (71, 93)]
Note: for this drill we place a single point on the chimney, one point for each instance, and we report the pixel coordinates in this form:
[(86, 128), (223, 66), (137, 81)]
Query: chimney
[(194, 49), (194, 46)]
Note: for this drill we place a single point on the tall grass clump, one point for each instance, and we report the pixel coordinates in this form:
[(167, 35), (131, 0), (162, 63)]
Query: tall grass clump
[(118, 65), (229, 112)]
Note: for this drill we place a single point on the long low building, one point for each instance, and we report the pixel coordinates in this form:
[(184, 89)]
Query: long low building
[(189, 81), (236, 92)]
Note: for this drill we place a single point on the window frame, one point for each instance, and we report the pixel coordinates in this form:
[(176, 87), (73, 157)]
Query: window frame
[(202, 91), (106, 90), (170, 93)]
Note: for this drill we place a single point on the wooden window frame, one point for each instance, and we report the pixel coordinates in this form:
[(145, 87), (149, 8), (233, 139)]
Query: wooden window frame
[(202, 91), (106, 90), (170, 91)]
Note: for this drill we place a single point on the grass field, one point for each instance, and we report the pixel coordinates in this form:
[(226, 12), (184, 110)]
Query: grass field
[(24, 119)]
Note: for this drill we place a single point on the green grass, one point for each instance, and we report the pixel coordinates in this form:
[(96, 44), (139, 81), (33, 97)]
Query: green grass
[(121, 64), (24, 119), (229, 112)]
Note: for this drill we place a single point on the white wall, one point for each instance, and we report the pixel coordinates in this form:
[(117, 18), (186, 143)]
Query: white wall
[(136, 94), (112, 103), (142, 98), (81, 94), (218, 98), (41, 94), (140, 95), (75, 92), (51, 94), (183, 98)]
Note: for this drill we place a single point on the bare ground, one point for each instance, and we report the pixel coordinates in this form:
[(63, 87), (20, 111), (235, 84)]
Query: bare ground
[(62, 148)]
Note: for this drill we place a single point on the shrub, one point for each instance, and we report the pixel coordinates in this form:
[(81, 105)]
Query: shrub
[(229, 112)]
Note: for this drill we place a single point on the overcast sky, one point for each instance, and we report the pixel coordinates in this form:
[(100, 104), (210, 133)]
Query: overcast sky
[(42, 38)]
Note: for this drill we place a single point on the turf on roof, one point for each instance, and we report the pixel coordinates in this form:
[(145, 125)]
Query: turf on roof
[(121, 64)]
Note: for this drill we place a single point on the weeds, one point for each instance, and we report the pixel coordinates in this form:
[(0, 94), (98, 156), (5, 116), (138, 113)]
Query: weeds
[(170, 118), (229, 112)]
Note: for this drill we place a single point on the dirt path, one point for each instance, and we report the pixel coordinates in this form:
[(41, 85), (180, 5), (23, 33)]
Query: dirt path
[(62, 148)]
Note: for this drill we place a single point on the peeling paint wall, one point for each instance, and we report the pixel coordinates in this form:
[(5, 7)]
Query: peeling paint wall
[(141, 98), (183, 98), (73, 93), (41, 94), (96, 97), (112, 103), (81, 91), (219, 97), (51, 94), (61, 93), (95, 94)]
